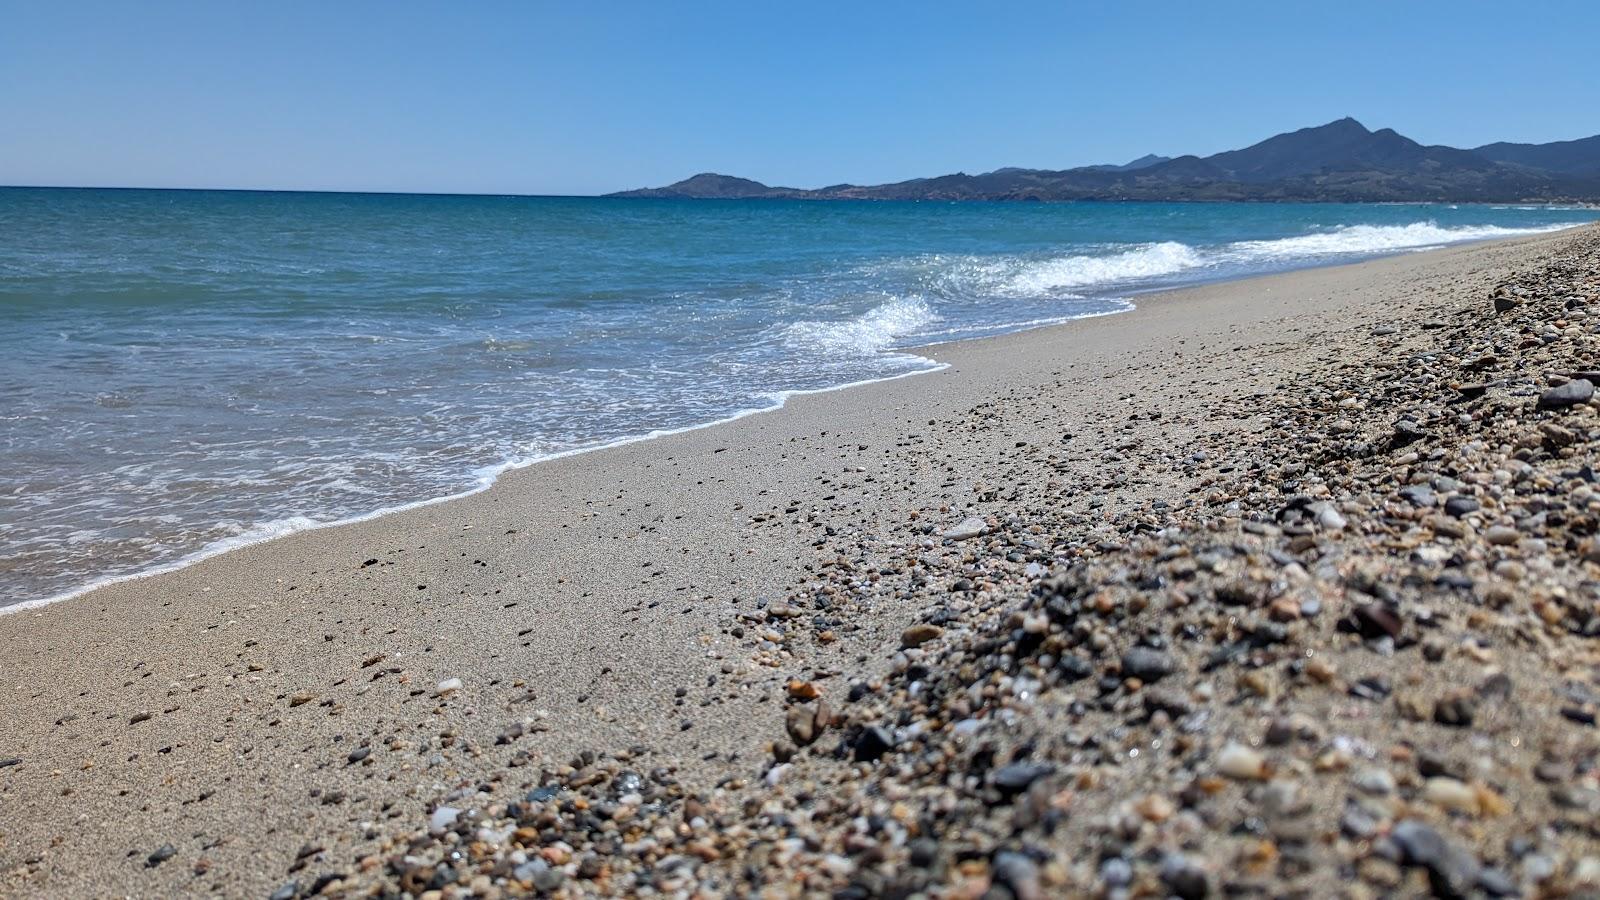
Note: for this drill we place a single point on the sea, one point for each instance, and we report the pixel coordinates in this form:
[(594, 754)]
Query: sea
[(185, 372)]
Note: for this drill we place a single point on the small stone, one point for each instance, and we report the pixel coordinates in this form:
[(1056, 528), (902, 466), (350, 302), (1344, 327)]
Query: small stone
[(1019, 873), (1155, 808), (1147, 664), (1116, 872), (801, 724), (447, 687), (1241, 762), (1578, 390), (1461, 506), (1455, 710), (1452, 871), (919, 634), (970, 527), (1502, 535), (872, 743), (1357, 822), (1376, 620), (1377, 782), (1328, 517), (1451, 794), (162, 854), (1018, 777), (802, 690), (1184, 877), (1418, 495)]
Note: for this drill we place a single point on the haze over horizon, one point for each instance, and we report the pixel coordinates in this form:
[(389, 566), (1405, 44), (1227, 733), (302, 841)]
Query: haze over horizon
[(545, 100)]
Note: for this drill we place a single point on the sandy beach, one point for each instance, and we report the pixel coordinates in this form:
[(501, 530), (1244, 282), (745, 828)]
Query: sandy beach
[(296, 717)]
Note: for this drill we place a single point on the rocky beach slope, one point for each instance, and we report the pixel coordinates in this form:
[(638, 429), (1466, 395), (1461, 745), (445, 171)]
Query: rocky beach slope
[(1284, 587)]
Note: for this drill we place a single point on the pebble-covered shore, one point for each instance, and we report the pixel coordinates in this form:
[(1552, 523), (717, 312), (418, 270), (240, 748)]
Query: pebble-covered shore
[(1357, 656)]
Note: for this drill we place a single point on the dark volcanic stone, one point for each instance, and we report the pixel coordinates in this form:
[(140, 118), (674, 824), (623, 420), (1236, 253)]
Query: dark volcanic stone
[(1460, 506), (162, 854)]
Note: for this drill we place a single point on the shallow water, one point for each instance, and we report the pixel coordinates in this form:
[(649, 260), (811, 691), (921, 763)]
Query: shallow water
[(183, 371)]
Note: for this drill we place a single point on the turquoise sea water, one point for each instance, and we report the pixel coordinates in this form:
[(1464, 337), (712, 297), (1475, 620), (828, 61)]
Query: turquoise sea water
[(184, 371)]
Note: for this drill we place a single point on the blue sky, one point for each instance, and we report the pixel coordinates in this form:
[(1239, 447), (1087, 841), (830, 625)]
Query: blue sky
[(586, 97)]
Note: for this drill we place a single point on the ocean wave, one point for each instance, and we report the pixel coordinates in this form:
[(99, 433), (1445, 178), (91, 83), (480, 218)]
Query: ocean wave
[(1354, 239), (872, 332), (1072, 276), (1141, 262)]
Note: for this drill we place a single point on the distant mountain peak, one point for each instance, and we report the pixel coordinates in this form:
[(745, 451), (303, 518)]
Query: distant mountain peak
[(1341, 160), (714, 186), (1144, 162)]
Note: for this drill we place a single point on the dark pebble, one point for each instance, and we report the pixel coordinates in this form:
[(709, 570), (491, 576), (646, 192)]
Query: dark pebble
[(1577, 391), (1146, 664), (1018, 777), (872, 743), (1184, 878), (1452, 872)]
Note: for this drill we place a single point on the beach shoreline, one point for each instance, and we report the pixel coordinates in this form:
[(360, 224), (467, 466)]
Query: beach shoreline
[(263, 533), (293, 707)]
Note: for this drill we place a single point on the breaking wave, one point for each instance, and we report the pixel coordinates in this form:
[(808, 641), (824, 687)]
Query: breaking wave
[(872, 332), (1372, 239)]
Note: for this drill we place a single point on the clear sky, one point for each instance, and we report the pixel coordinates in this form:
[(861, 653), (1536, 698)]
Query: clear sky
[(591, 96)]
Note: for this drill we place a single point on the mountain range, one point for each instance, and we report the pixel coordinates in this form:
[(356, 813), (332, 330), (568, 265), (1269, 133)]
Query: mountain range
[(1341, 161)]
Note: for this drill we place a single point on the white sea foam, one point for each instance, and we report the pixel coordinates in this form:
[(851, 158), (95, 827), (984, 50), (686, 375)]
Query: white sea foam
[(871, 332), (1355, 239), (1050, 277)]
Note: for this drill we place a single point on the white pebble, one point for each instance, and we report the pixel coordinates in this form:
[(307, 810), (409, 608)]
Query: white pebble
[(1239, 761)]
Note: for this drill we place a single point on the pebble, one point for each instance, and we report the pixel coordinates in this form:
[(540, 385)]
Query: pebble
[(1147, 664), (1377, 782), (919, 634), (1451, 794), (1019, 873), (1239, 761), (1579, 390), (966, 529)]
